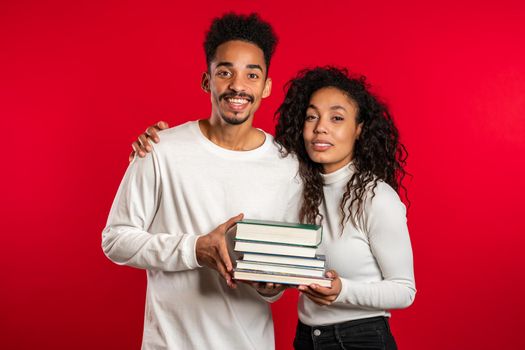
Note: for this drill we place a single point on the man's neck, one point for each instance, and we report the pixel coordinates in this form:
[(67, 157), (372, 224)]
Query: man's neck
[(242, 137)]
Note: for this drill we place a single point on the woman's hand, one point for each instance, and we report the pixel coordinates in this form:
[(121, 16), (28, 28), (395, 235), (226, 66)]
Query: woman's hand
[(142, 146), (323, 295)]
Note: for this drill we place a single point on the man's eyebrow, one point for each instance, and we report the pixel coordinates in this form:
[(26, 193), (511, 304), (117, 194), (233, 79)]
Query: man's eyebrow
[(254, 66), (229, 65), (224, 64)]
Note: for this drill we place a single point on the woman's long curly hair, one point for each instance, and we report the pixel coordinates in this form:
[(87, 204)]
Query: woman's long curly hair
[(378, 154)]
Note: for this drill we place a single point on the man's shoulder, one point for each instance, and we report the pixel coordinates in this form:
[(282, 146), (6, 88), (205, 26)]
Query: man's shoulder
[(183, 130), (179, 135), (279, 152)]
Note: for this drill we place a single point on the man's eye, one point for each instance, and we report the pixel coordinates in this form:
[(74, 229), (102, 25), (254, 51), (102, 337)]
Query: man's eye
[(338, 118), (223, 74)]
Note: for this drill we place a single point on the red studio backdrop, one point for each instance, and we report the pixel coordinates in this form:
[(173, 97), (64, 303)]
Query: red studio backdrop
[(79, 80)]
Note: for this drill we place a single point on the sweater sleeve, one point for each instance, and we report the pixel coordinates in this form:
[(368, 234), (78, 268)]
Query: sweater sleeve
[(126, 240), (386, 226), (295, 198)]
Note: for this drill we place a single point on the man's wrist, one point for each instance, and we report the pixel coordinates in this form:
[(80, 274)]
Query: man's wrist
[(190, 251)]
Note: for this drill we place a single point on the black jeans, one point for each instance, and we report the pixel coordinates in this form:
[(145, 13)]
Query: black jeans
[(366, 333)]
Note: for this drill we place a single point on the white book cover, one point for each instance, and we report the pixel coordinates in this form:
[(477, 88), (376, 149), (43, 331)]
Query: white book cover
[(317, 261), (287, 269), (250, 275), (277, 249)]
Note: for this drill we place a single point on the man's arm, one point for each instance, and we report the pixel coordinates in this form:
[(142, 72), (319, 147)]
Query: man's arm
[(126, 239)]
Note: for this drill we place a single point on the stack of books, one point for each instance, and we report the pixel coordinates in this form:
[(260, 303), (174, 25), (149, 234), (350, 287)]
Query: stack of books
[(279, 252)]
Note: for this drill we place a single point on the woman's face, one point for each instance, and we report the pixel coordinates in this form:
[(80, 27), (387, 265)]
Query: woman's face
[(330, 128)]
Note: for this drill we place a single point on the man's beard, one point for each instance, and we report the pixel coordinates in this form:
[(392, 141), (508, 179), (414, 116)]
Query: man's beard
[(231, 94), (234, 121)]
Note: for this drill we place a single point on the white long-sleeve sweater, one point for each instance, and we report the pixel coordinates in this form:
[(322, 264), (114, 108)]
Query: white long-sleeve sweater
[(374, 261), (185, 188)]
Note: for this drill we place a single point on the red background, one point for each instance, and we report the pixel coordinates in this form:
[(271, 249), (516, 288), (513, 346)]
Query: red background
[(80, 80)]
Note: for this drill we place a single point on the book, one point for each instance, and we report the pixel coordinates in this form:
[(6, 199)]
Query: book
[(279, 232), (250, 275), (286, 269), (273, 248), (317, 261)]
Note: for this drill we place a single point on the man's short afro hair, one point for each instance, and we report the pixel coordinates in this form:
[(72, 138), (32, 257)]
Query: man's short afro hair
[(249, 28)]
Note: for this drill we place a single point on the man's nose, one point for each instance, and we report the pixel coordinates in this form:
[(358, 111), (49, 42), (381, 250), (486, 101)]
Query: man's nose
[(236, 83)]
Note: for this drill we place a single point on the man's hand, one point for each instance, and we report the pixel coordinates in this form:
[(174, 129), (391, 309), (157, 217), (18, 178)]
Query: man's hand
[(212, 250), (323, 295), (143, 146)]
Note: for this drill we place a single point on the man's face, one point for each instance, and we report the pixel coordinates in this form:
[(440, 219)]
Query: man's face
[(236, 81)]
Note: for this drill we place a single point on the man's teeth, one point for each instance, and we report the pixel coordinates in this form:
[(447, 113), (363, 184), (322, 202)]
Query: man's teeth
[(238, 101)]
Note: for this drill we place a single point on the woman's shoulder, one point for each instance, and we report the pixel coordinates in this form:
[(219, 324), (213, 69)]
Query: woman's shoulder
[(383, 196), (383, 208)]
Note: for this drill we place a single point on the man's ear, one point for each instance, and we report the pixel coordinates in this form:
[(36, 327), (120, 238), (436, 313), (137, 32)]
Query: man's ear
[(205, 82), (267, 88)]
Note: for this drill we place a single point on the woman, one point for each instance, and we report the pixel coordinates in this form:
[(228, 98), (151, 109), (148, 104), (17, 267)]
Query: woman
[(351, 163)]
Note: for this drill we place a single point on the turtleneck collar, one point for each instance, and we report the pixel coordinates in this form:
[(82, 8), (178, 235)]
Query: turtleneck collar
[(342, 174)]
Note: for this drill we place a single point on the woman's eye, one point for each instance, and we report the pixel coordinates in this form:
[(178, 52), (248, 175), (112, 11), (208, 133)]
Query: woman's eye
[(338, 118), (310, 117)]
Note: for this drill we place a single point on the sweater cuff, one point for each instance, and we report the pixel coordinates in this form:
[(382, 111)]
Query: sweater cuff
[(342, 297), (188, 251)]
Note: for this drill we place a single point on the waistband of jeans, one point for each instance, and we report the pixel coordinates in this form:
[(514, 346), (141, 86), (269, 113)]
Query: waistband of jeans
[(342, 325)]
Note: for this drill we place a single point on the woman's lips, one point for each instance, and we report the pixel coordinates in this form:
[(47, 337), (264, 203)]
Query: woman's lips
[(321, 145)]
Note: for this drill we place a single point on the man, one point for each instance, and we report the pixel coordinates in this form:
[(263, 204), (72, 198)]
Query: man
[(202, 173)]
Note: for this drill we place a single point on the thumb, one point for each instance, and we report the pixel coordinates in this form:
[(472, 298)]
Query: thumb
[(232, 221), (331, 274)]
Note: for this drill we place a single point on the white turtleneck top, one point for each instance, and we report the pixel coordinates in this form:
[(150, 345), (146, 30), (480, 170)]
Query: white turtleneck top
[(374, 260)]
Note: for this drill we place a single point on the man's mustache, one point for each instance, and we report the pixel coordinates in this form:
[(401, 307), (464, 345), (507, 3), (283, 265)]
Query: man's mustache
[(236, 95)]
